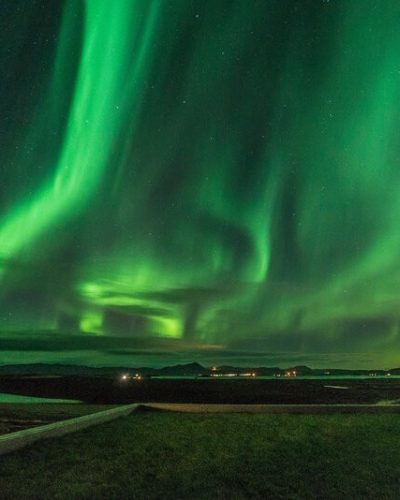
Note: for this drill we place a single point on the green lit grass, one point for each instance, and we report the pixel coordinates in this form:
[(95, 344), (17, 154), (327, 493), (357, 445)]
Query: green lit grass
[(166, 455)]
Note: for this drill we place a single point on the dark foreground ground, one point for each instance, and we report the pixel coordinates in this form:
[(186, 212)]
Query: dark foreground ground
[(180, 456), (112, 391)]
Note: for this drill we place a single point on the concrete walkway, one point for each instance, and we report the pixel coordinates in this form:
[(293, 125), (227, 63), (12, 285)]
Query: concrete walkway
[(317, 409), (14, 440)]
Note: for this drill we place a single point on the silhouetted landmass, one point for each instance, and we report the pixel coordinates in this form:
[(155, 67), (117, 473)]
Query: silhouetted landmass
[(197, 384), (182, 370), (107, 390)]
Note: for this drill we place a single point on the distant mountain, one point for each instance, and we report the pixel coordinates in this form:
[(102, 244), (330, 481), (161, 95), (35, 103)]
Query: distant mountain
[(189, 369), (181, 370)]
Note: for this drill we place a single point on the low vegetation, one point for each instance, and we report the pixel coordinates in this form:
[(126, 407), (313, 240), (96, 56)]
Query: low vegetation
[(168, 455)]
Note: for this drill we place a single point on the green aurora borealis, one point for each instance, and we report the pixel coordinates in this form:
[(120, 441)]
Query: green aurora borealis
[(223, 172)]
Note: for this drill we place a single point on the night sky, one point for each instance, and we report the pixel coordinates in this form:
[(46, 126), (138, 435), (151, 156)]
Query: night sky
[(211, 180)]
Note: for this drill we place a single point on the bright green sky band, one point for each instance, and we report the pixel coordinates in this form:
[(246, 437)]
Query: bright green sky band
[(215, 171)]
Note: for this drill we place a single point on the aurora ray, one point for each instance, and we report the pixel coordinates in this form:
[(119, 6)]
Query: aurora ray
[(221, 172)]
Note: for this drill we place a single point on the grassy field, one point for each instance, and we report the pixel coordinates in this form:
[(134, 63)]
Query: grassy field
[(167, 455)]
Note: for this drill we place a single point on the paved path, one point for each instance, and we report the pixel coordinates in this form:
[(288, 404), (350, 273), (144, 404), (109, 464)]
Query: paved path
[(318, 409), (14, 440)]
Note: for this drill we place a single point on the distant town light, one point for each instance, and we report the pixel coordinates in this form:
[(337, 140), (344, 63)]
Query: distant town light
[(124, 376), (247, 374)]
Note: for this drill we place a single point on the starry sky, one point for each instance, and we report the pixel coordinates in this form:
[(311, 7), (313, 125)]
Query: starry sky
[(200, 179)]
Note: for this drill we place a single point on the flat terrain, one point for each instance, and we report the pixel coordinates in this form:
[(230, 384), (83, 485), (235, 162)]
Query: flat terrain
[(257, 391), (18, 416), (233, 456)]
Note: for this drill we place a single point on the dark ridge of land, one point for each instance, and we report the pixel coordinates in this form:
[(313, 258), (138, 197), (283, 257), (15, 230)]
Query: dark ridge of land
[(227, 391), (182, 370)]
